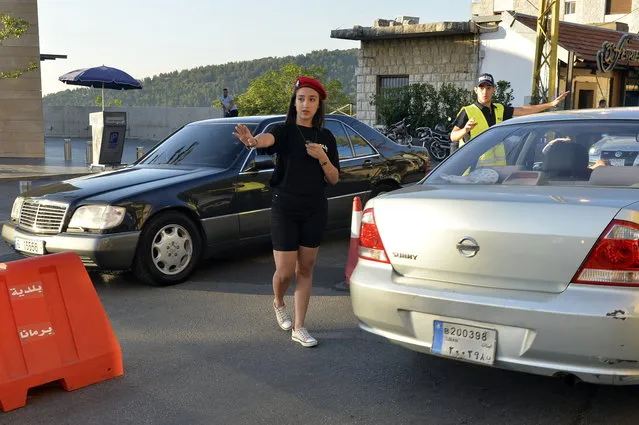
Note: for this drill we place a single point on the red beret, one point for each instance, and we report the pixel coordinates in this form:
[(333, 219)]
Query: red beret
[(313, 84)]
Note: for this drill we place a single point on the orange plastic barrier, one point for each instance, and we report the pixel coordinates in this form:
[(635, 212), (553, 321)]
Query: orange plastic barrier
[(52, 328)]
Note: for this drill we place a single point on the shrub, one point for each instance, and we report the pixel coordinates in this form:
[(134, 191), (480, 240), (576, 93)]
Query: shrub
[(424, 105)]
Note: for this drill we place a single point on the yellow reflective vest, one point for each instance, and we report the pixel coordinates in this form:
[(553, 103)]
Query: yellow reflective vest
[(495, 156)]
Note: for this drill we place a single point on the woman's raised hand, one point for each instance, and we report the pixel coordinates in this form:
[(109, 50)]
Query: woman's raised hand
[(243, 134)]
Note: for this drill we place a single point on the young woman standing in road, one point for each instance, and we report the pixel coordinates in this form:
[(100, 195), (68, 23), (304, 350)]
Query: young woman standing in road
[(307, 160)]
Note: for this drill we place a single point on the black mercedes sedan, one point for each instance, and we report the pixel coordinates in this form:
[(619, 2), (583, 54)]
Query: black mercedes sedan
[(196, 193)]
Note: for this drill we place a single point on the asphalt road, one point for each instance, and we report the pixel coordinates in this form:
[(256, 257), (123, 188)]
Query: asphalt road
[(209, 352)]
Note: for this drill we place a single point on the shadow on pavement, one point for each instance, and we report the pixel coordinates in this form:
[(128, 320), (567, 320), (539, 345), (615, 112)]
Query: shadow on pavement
[(246, 271)]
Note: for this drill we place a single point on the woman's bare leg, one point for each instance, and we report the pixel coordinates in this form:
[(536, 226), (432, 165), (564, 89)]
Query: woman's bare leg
[(303, 282), (284, 271)]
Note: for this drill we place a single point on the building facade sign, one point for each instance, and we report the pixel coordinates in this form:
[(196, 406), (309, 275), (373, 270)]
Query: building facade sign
[(611, 53)]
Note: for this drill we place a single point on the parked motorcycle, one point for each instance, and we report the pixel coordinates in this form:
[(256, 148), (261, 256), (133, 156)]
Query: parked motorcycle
[(399, 133), (436, 141)]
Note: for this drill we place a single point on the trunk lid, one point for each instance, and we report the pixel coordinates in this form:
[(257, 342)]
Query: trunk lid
[(528, 238)]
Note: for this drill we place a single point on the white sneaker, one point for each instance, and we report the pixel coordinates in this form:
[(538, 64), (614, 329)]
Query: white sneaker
[(302, 336), (283, 318)]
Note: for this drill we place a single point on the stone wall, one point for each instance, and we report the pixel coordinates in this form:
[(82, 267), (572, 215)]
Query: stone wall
[(142, 122), (21, 129), (433, 60)]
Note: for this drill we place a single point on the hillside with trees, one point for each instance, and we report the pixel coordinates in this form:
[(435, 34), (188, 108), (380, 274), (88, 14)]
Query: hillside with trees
[(203, 85)]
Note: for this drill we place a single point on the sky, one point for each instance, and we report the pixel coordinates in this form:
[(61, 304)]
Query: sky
[(149, 37)]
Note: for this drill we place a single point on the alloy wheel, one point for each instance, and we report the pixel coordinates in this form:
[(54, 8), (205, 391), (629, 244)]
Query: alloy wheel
[(172, 249)]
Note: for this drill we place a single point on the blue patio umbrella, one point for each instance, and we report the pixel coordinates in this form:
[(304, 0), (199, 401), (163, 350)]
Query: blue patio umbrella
[(104, 77)]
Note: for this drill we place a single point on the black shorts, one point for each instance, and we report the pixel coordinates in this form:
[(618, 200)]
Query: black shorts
[(297, 221)]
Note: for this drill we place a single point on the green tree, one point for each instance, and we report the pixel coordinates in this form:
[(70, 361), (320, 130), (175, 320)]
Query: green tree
[(12, 27), (271, 92), (503, 93), (98, 102)]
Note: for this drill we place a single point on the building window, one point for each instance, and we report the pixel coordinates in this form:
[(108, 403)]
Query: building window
[(615, 7), (570, 7), (391, 82), (387, 86)]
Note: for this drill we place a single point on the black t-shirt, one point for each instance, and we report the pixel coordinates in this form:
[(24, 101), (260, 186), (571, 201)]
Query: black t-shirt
[(297, 172), (489, 114)]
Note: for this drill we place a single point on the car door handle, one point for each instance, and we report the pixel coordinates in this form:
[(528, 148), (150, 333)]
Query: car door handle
[(367, 164)]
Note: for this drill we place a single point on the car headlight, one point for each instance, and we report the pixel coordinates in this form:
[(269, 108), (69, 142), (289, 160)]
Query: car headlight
[(594, 151), (97, 217), (15, 209)]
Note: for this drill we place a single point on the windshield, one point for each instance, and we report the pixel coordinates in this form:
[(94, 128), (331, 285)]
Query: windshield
[(575, 152), (201, 145)]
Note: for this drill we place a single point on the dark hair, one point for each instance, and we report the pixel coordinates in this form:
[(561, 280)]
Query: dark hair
[(318, 118), (225, 89)]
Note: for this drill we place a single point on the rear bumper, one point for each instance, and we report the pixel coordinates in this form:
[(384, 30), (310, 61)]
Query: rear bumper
[(113, 252), (587, 331)]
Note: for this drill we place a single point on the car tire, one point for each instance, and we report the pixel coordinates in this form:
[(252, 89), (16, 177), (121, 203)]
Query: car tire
[(382, 188), (169, 249)]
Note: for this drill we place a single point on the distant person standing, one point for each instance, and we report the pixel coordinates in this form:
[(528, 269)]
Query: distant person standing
[(603, 103), (228, 104)]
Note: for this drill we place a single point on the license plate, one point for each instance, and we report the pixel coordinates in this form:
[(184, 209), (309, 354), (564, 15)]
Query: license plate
[(464, 342), (617, 162), (29, 245)]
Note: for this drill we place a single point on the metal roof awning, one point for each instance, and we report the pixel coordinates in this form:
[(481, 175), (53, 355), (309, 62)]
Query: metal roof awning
[(588, 41), (47, 56)]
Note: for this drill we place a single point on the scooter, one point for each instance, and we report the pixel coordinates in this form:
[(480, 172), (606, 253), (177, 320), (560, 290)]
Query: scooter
[(398, 133), (436, 141)]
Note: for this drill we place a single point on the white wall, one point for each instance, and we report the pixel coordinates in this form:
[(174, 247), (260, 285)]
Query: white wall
[(142, 122), (509, 56)]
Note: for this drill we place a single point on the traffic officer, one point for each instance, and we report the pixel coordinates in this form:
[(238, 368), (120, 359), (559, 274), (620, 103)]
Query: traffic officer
[(478, 117)]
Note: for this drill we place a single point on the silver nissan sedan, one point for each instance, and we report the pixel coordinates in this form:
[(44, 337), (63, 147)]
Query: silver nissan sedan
[(529, 265)]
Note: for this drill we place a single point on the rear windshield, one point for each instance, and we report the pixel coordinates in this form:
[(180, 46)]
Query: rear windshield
[(202, 145), (576, 152)]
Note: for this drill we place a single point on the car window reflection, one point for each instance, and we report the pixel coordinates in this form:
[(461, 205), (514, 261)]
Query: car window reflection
[(556, 152), (203, 145), (360, 146), (344, 148)]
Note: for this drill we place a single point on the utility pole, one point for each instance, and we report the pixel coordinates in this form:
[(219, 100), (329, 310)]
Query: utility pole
[(545, 68)]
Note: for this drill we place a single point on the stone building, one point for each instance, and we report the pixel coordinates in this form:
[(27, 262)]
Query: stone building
[(401, 52), (21, 116)]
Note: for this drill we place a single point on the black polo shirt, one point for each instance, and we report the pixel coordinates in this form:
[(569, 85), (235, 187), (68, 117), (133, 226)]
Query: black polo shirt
[(489, 114)]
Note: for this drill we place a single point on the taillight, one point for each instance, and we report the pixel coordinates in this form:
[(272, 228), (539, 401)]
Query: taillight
[(370, 242), (614, 260)]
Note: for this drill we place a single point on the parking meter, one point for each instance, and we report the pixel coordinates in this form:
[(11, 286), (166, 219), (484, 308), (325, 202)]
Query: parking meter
[(108, 129)]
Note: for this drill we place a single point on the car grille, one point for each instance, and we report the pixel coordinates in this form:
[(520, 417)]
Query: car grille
[(42, 216), (627, 156)]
